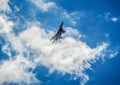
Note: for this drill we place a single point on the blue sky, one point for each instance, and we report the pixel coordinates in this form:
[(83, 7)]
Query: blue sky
[(88, 54)]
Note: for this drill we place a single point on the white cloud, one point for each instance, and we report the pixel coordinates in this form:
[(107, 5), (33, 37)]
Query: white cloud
[(72, 32), (70, 16), (7, 50), (68, 56), (6, 31), (57, 11), (4, 6), (16, 71), (114, 19), (5, 24), (108, 17), (43, 5), (112, 55)]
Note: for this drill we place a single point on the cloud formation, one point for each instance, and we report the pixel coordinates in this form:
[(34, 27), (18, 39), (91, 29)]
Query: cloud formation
[(112, 55), (43, 5), (16, 68), (114, 19), (16, 71), (67, 56), (56, 11), (4, 7), (108, 17), (32, 47)]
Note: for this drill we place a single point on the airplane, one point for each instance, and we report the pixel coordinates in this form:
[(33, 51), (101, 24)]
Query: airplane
[(59, 33)]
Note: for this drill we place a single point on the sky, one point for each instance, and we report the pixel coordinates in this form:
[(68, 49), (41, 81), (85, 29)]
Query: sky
[(88, 53)]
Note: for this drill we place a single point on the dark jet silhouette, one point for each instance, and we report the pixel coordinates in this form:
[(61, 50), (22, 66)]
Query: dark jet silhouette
[(59, 33)]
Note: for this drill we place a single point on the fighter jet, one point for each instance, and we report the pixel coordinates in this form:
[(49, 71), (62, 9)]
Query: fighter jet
[(59, 33)]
